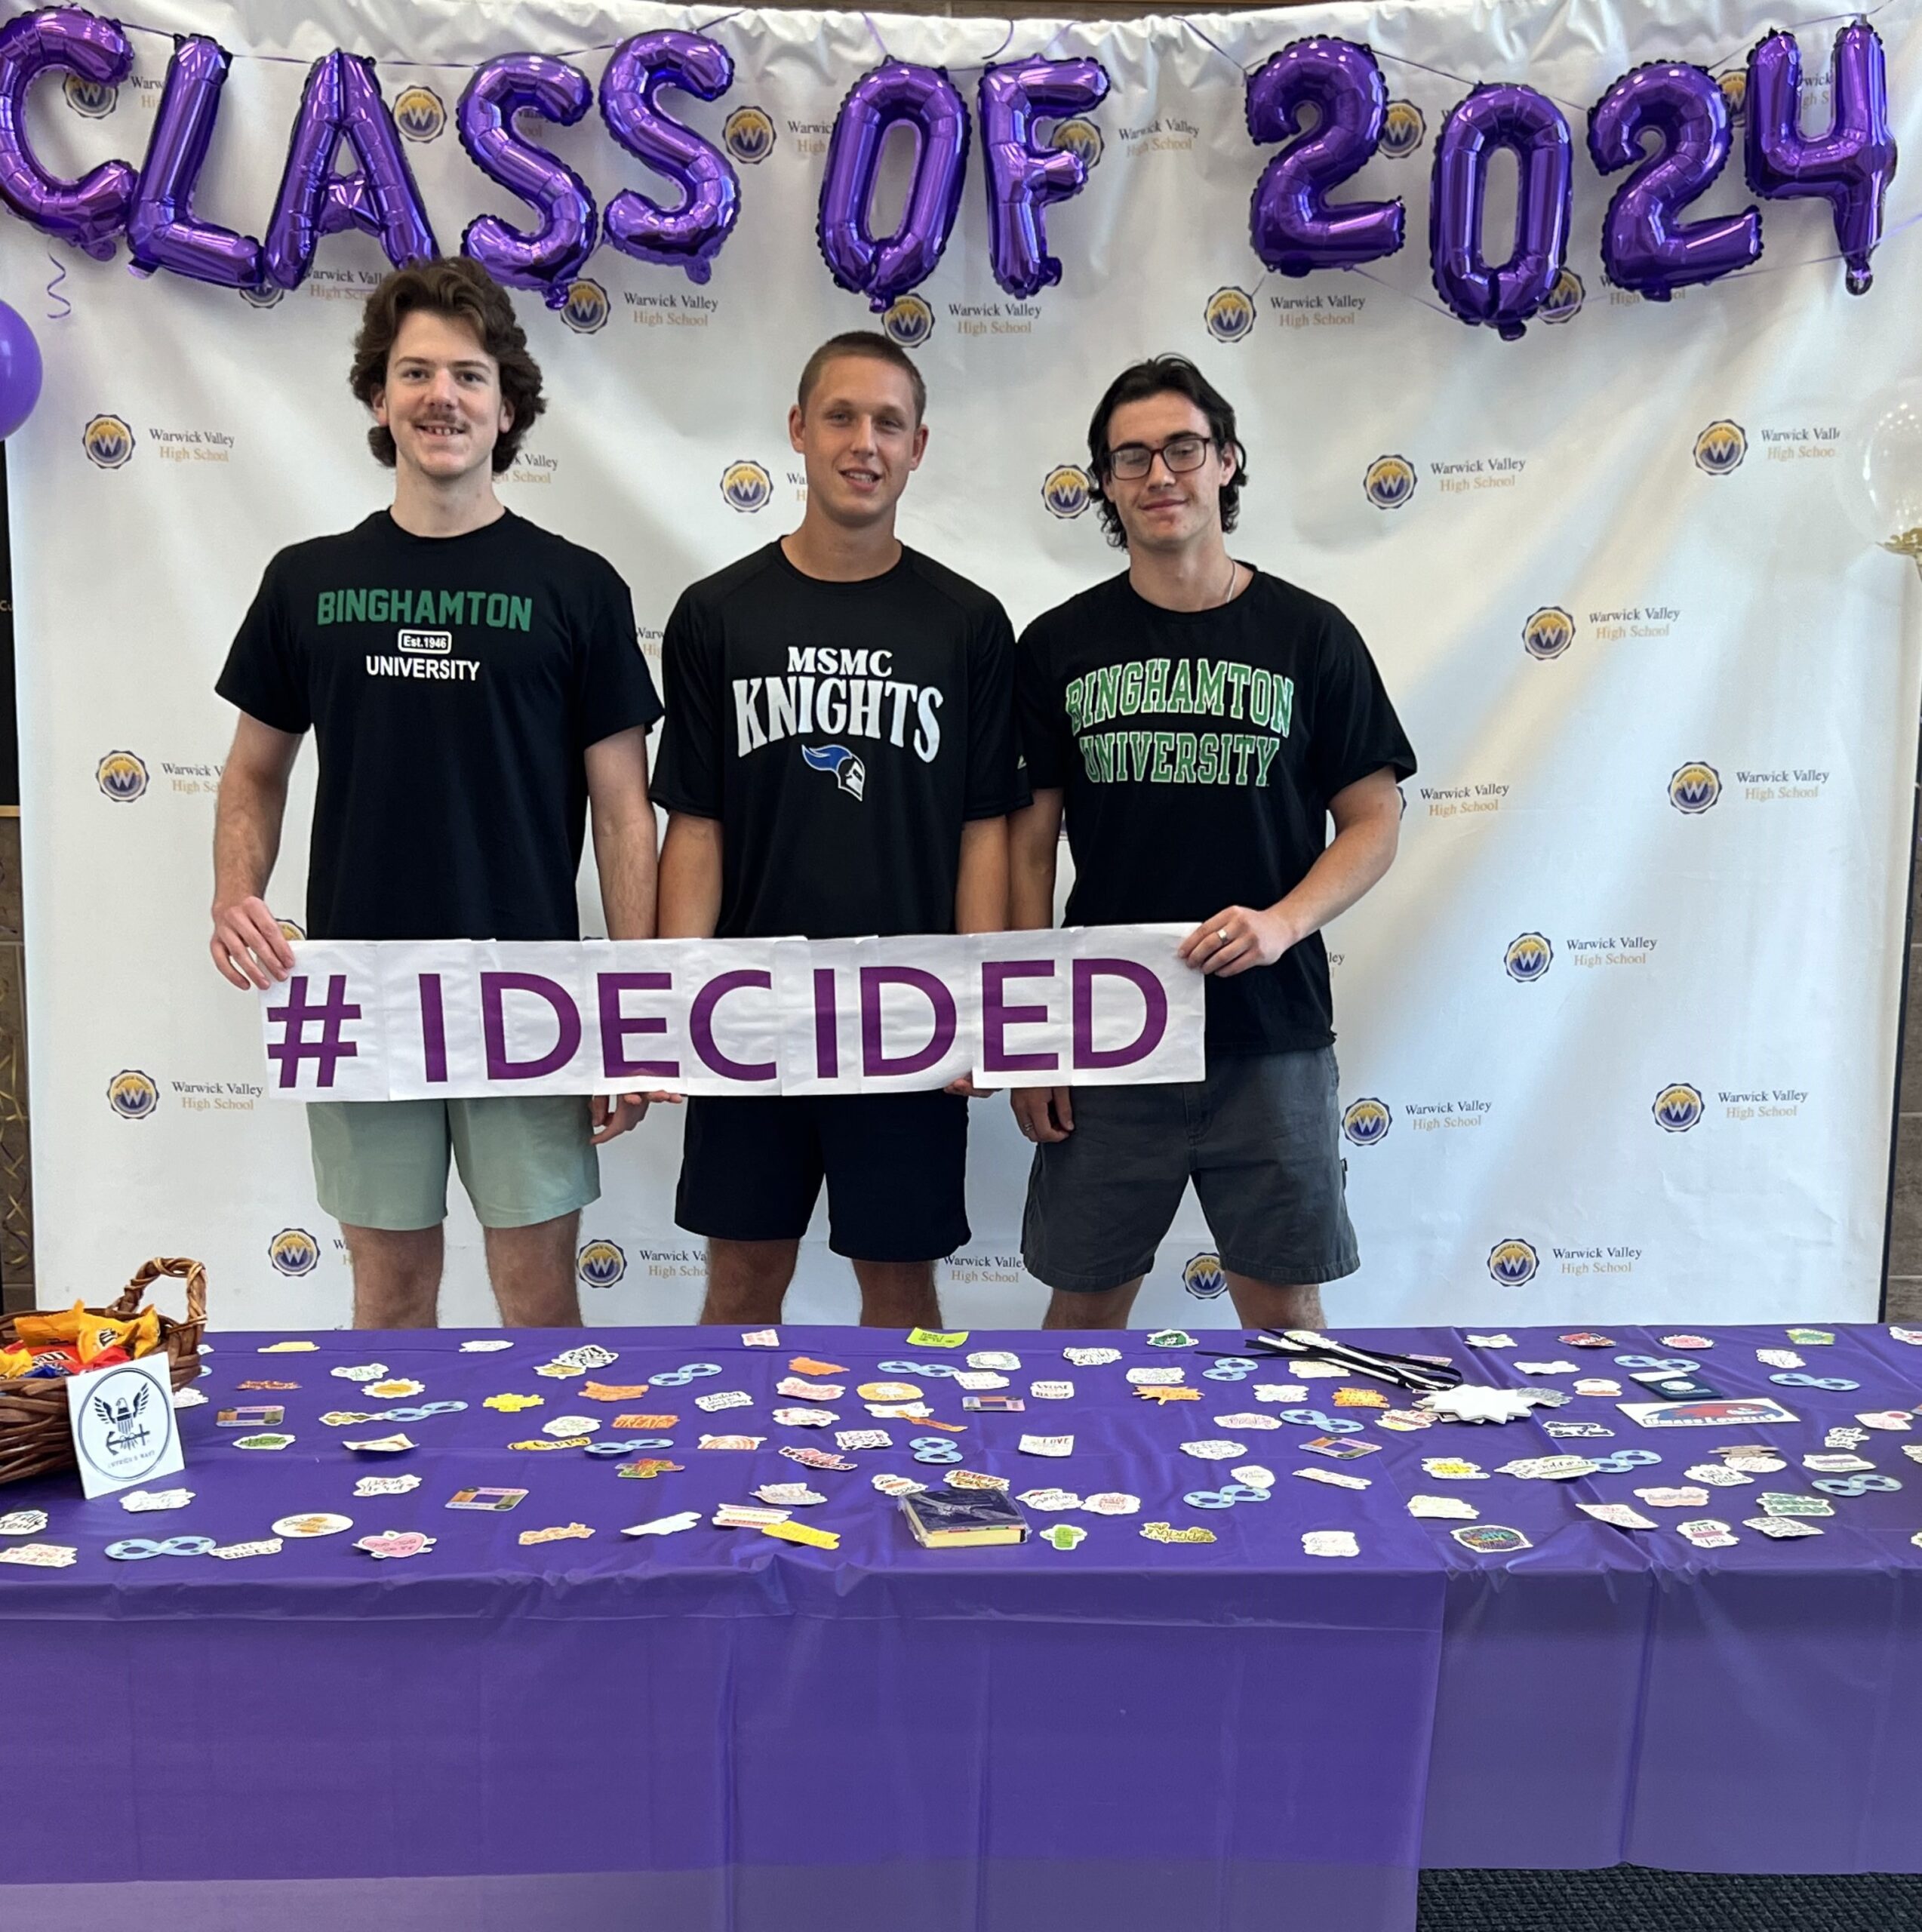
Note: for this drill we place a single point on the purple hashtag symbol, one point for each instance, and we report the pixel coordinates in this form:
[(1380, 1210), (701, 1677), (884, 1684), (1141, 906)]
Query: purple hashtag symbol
[(294, 1018)]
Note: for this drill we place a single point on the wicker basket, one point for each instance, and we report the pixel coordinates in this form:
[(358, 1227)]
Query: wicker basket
[(34, 1435)]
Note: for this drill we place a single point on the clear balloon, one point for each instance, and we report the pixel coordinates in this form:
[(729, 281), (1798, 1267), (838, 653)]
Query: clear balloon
[(925, 99), (1529, 124), (690, 236), (1293, 229), (1880, 476), (90, 212), (550, 258), (1023, 177), (343, 102), (1644, 246), (1851, 166), (161, 232), (20, 370)]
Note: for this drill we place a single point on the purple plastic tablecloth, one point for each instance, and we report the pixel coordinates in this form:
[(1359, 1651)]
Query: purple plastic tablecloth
[(720, 1732)]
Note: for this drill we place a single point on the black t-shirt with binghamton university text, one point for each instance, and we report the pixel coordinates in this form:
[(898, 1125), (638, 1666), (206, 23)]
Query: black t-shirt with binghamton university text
[(452, 684), (842, 734), (1198, 751)]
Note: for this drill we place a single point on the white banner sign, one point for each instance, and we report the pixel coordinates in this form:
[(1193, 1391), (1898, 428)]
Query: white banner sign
[(1100, 1006)]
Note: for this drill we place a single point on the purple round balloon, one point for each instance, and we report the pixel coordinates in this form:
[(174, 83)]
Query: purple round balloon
[(341, 102), (925, 99), (1023, 177), (161, 232), (20, 370), (690, 236), (91, 212), (1293, 229), (550, 258), (1500, 116), (1851, 166), (1644, 246)]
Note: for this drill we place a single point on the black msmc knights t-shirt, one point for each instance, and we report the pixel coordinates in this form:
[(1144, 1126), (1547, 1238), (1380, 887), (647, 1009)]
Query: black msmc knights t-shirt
[(452, 684), (842, 732), (1198, 751)]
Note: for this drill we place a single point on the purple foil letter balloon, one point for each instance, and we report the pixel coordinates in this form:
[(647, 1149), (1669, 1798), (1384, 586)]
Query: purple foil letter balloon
[(1503, 116), (343, 102), (1293, 229), (1644, 247), (549, 259), (925, 98), (91, 211), (161, 232), (690, 236), (1851, 166), (1023, 178)]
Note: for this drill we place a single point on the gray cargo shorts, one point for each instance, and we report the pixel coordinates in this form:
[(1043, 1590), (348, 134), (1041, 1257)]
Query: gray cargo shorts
[(1260, 1137)]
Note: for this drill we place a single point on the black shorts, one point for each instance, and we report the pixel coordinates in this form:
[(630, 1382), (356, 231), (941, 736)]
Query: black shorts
[(1260, 1138), (895, 1165)]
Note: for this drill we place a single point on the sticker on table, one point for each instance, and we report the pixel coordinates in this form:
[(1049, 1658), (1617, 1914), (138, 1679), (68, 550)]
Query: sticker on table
[(269, 1441), (395, 1389), (612, 1392), (1584, 1338), (1490, 1341), (863, 1438), (1687, 1342), (1253, 1475), (1889, 1418), (731, 1441), (1719, 1476), (396, 1444), (647, 1467), (1844, 1436), (1048, 1500), (288, 1349), (1548, 1468), (1092, 1358), (975, 1380), (1578, 1430), (1726, 1412), (762, 1338), (1171, 1338), (266, 1386), (1002, 1359), (314, 1524), (40, 1556), (365, 1371), (1162, 1392), (1167, 1532), (1280, 1391), (1776, 1503), (493, 1499), (1597, 1385), (936, 1338), (1661, 1497), (1810, 1338), (1338, 1448), (489, 1347), (1065, 1536), (1546, 1367), (802, 1390), (1781, 1359), (726, 1398), (561, 1533), (1913, 1337), (808, 1534), (1330, 1542), (665, 1526), (1052, 1391), (1214, 1451), (1443, 1506), (801, 1418), (1781, 1527), (890, 1484), (392, 1545), (1706, 1533), (1249, 1420), (31, 1522), (139, 1501), (1324, 1371), (1111, 1503), (1619, 1515), (808, 1365), (789, 1495), (1490, 1539), (1151, 1378), (746, 1516), (808, 1458), (993, 1405), (1047, 1445), (189, 1397), (1453, 1469), (976, 1479), (888, 1391), (386, 1485), (229, 1552), (1334, 1478)]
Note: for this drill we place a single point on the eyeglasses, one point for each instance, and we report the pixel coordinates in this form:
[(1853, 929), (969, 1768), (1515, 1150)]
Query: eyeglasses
[(1182, 454)]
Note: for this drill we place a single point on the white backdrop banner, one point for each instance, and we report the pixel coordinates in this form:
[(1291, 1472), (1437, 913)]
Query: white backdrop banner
[(1617, 1034), (1093, 1006)]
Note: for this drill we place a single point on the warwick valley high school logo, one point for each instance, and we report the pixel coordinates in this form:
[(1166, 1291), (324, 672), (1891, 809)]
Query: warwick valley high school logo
[(747, 134), (1402, 130), (1678, 1107), (1230, 314), (1513, 1262), (909, 321), (1719, 448), (1565, 298), (1548, 632), (108, 441), (420, 113), (600, 1264), (1528, 957), (95, 98), (132, 1095), (1204, 1277), (294, 1251), (1366, 1122), (1066, 490), (1081, 138), (587, 307), (121, 777), (1694, 788), (1389, 482), (746, 486)]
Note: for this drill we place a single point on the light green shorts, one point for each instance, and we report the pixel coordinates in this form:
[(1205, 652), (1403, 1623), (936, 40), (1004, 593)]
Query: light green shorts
[(383, 1164)]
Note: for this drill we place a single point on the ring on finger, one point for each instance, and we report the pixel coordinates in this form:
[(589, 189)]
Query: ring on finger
[(1221, 933)]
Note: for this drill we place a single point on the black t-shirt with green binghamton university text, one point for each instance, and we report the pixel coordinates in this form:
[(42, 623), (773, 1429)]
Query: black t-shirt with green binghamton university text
[(1198, 750), (842, 734), (452, 684)]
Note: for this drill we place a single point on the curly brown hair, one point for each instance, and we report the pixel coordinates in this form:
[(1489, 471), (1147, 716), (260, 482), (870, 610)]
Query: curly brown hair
[(448, 285)]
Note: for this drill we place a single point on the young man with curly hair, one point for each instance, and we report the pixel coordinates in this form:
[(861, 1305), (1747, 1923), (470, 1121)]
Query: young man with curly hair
[(474, 685), (1200, 722)]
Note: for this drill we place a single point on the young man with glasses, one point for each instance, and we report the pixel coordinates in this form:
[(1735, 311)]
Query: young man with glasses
[(838, 760), (1200, 722)]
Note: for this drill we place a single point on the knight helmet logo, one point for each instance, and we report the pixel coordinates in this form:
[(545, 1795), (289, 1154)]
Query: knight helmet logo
[(850, 773)]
